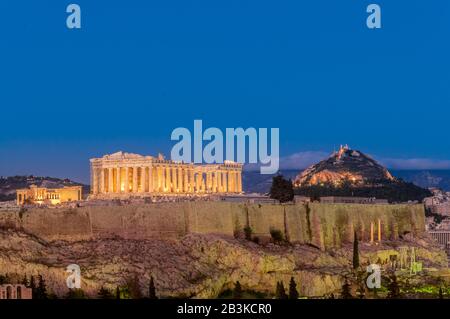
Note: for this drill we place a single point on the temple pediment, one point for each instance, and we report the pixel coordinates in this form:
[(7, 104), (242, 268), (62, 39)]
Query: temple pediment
[(122, 155)]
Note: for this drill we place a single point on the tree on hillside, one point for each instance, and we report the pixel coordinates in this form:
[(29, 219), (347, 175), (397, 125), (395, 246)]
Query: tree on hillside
[(393, 288), (282, 189), (293, 293), (133, 287), (104, 293), (33, 285), (346, 291), (25, 281), (237, 292), (41, 289), (152, 289), (281, 292), (355, 251)]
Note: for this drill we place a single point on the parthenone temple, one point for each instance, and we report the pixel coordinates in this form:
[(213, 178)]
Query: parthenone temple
[(122, 174)]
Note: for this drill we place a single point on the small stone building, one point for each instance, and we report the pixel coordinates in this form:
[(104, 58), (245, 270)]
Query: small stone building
[(48, 196)]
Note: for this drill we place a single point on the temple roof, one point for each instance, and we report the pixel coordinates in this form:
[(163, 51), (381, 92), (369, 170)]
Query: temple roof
[(122, 155)]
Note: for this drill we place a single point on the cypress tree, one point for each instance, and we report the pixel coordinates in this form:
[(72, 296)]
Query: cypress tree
[(293, 293), (346, 291), (281, 293), (25, 280), (355, 251), (237, 292), (393, 288), (117, 292), (41, 290), (152, 289)]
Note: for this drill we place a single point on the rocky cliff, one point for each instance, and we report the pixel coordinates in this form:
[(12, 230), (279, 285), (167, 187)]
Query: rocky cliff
[(197, 249)]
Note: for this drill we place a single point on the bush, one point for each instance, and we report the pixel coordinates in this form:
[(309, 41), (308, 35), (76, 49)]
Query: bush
[(248, 232), (277, 235)]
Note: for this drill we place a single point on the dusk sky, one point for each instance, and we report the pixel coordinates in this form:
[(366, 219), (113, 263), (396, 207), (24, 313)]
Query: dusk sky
[(139, 69)]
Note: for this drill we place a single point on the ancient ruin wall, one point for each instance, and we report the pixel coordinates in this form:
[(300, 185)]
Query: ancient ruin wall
[(323, 225)]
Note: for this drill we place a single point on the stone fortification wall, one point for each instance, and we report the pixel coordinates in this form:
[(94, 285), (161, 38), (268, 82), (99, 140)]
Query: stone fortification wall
[(323, 225)]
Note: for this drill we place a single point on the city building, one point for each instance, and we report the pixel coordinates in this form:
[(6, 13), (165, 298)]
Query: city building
[(122, 175), (48, 196), (9, 291)]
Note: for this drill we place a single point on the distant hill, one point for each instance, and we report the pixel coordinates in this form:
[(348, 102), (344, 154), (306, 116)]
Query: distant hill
[(254, 182), (349, 172), (9, 185), (345, 166)]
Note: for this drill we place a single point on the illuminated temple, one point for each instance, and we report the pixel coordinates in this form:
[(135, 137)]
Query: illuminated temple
[(125, 174)]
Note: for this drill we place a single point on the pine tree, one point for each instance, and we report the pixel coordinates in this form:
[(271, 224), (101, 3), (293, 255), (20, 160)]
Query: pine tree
[(281, 189), (393, 288), (293, 293), (355, 252), (152, 289), (361, 291), (346, 291), (133, 287), (104, 293), (41, 290), (25, 281), (281, 292), (33, 286), (237, 292)]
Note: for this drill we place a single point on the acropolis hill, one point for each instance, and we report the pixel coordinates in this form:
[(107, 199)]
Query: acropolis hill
[(197, 249)]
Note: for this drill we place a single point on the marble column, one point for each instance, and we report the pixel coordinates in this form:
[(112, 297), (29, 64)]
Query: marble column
[(127, 180), (118, 186), (208, 182), (230, 181), (186, 180), (150, 179), (134, 187), (174, 179), (95, 180), (191, 180), (239, 181), (102, 181), (180, 179), (143, 179), (219, 181), (161, 180), (198, 182), (167, 185), (214, 182), (110, 179), (225, 182)]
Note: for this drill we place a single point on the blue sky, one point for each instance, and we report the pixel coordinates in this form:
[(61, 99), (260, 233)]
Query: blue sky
[(138, 69)]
